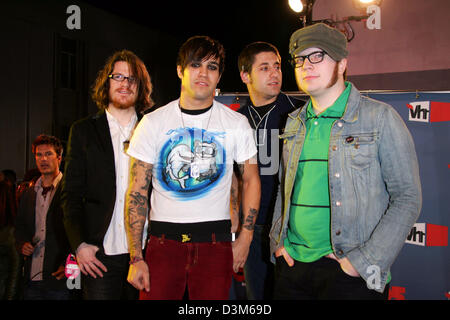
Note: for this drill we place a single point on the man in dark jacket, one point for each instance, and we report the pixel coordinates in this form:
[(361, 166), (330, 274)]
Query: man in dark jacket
[(260, 69), (96, 177), (40, 234)]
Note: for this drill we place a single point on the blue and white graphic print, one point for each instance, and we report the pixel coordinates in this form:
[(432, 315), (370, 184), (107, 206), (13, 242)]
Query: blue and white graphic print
[(191, 162)]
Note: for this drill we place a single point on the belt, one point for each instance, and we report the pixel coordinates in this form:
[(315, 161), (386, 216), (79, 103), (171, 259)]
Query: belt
[(195, 237)]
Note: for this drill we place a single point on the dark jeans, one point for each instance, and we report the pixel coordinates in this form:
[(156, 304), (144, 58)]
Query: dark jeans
[(258, 269), (40, 290), (113, 285), (320, 280)]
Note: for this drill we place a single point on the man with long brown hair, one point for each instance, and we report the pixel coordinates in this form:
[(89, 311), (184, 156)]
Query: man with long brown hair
[(96, 176)]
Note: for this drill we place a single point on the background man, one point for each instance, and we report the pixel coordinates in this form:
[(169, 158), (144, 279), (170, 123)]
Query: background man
[(260, 69), (96, 177), (40, 234), (351, 189), (188, 148)]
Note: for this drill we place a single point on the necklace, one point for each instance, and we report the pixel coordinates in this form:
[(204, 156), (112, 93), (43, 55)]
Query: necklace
[(126, 142), (182, 120), (194, 167), (256, 125)]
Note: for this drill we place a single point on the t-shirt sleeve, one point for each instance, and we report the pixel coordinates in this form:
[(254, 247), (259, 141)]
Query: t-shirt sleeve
[(142, 143), (245, 141)]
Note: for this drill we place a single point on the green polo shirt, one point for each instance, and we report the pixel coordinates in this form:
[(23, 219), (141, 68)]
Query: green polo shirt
[(308, 237)]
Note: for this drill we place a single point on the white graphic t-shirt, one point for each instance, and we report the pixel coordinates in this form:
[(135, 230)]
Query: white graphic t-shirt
[(192, 157)]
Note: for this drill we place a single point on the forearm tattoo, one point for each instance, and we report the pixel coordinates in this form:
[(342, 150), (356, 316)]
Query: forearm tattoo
[(249, 222), (136, 209), (241, 168), (235, 198)]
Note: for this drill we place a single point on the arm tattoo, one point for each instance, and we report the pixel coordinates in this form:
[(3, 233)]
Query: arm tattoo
[(136, 207), (241, 168), (250, 219), (234, 199), (138, 165)]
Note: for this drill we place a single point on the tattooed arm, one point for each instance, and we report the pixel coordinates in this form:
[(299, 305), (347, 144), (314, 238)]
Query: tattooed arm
[(136, 211), (235, 201), (251, 193)]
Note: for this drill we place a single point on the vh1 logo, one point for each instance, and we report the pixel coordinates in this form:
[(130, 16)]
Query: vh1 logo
[(429, 111), (430, 235)]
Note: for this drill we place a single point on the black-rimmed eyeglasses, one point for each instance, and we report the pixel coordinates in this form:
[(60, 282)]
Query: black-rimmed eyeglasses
[(120, 77), (313, 57)]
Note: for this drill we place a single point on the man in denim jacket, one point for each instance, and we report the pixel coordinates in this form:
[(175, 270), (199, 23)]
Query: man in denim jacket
[(350, 183)]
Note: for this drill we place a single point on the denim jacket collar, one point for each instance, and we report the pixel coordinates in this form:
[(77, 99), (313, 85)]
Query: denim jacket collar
[(352, 110)]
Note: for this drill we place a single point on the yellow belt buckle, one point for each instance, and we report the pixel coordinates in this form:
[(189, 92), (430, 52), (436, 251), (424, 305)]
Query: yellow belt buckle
[(185, 238)]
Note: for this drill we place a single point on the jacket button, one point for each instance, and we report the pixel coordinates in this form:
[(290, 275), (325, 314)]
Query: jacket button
[(338, 233), (334, 148), (340, 252), (338, 203)]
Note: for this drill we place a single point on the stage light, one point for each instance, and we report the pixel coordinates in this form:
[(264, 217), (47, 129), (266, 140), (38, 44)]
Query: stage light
[(372, 16), (296, 5), (362, 4), (304, 8)]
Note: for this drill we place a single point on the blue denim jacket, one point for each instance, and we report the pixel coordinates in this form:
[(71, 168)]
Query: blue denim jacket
[(375, 191)]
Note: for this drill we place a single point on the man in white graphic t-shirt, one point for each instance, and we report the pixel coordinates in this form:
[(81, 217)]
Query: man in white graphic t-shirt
[(186, 149)]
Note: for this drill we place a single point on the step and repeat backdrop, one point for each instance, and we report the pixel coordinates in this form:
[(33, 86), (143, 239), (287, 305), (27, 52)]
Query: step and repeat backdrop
[(422, 269)]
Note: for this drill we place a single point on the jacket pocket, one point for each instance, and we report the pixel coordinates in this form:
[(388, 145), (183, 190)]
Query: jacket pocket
[(288, 134), (360, 149), (290, 138)]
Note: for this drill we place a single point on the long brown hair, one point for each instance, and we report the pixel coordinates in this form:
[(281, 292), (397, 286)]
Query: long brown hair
[(100, 89)]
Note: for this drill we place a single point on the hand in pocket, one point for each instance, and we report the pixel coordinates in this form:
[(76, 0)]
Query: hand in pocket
[(282, 252)]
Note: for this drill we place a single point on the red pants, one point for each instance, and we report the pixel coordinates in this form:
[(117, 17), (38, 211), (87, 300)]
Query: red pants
[(205, 267)]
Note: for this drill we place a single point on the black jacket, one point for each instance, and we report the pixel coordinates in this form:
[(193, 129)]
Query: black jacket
[(89, 181), (56, 244), (276, 120)]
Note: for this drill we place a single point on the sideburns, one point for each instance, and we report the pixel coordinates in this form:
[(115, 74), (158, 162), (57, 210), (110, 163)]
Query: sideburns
[(335, 76)]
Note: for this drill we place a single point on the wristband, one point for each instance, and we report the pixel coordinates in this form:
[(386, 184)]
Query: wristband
[(136, 259)]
